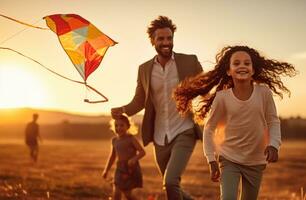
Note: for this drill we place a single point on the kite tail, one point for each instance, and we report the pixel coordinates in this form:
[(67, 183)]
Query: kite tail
[(79, 82), (23, 23), (93, 89)]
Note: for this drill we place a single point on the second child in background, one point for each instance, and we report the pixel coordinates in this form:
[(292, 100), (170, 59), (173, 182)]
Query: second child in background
[(128, 151)]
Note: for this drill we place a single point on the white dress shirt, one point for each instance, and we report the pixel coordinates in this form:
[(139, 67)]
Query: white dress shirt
[(168, 122)]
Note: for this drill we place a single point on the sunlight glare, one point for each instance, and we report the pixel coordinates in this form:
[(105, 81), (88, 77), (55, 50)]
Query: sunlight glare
[(20, 87)]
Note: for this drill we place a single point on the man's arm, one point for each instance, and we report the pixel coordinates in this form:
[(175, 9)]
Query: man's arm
[(198, 66), (137, 103)]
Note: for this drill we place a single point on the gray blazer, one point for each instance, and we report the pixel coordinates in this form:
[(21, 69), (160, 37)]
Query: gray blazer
[(187, 65)]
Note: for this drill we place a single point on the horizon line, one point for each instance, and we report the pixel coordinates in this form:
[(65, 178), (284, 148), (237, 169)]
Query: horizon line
[(101, 114)]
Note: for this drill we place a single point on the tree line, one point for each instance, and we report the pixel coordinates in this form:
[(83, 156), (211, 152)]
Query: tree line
[(291, 128)]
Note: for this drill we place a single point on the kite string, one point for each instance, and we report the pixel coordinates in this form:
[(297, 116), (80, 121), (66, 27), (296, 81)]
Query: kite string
[(22, 30), (14, 35), (83, 83), (23, 23), (93, 89), (6, 48)]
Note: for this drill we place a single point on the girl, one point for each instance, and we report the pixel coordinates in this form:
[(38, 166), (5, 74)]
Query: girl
[(128, 150), (242, 108)]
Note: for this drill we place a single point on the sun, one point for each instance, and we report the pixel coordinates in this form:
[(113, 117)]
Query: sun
[(20, 87)]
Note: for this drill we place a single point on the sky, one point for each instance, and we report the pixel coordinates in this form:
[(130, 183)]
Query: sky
[(276, 28)]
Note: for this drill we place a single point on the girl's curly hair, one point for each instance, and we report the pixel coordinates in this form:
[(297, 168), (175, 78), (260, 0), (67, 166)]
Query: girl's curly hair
[(267, 72)]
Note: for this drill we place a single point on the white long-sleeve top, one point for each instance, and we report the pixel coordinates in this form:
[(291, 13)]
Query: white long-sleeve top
[(245, 127)]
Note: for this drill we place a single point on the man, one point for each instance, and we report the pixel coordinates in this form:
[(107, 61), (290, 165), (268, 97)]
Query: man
[(174, 137), (31, 136)]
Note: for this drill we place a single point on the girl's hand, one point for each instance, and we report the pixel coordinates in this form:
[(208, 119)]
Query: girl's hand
[(271, 153), (132, 162), (214, 171), (104, 174)]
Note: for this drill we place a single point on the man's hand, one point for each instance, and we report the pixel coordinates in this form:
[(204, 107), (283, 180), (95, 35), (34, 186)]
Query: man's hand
[(214, 171), (104, 174), (271, 153), (116, 112)]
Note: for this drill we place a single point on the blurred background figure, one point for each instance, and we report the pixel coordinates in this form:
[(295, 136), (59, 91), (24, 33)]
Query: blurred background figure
[(31, 137)]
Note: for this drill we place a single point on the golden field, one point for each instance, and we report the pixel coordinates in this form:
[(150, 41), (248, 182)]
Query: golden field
[(72, 170)]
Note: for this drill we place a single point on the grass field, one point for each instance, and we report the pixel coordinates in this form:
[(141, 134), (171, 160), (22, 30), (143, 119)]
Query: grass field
[(72, 170)]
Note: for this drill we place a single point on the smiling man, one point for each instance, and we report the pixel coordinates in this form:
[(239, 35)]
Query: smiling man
[(174, 137)]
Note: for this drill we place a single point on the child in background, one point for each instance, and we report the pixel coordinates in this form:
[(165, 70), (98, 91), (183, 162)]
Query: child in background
[(31, 137), (241, 101), (128, 151)]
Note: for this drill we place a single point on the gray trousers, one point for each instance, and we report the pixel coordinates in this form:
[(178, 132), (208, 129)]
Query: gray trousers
[(233, 174), (172, 160)]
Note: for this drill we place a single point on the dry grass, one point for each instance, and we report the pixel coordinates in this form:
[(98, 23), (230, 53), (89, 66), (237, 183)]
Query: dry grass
[(72, 170)]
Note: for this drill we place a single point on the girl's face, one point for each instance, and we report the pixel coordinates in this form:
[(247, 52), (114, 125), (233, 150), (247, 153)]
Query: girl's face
[(241, 66), (121, 127)]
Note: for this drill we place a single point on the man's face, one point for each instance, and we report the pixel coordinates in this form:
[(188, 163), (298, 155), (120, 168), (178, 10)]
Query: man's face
[(163, 42)]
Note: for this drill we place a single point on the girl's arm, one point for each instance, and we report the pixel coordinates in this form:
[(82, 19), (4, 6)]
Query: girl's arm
[(273, 121), (140, 151), (273, 124), (110, 162), (215, 115)]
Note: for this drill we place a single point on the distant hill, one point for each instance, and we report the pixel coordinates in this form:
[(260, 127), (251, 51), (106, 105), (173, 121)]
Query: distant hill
[(24, 115), (55, 124)]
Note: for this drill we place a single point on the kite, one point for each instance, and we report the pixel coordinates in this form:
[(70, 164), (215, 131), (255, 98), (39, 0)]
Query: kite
[(84, 44)]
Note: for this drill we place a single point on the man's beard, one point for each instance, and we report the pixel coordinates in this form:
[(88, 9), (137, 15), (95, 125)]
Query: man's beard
[(163, 54)]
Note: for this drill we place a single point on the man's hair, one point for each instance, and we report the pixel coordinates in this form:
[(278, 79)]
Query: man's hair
[(160, 22)]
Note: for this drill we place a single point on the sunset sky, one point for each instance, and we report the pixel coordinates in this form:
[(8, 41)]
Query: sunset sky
[(277, 28)]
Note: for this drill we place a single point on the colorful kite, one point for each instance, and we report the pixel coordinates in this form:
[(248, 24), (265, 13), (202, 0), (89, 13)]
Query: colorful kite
[(82, 41)]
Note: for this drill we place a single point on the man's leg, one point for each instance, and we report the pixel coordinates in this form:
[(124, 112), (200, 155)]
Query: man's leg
[(182, 148), (162, 155)]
